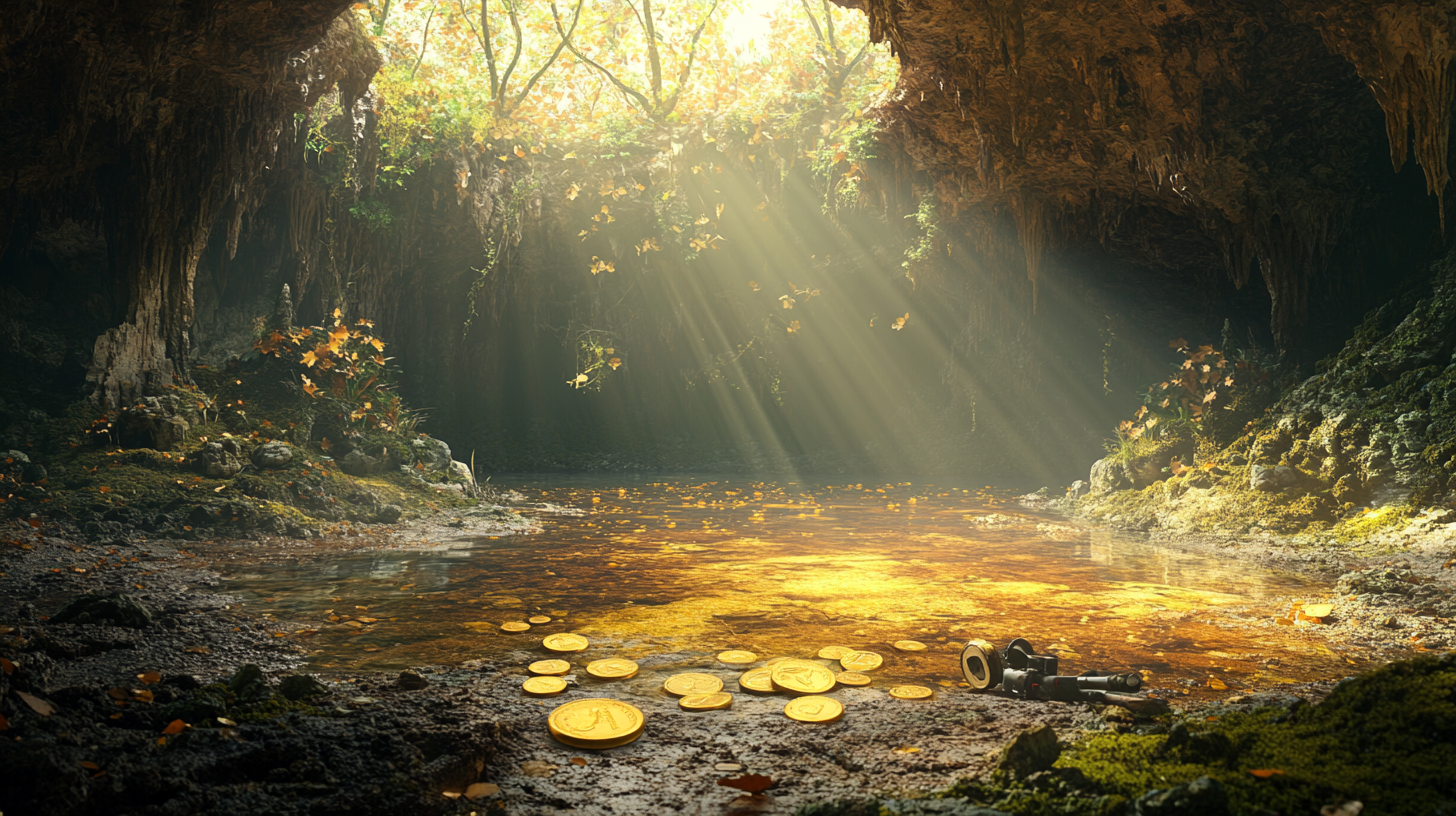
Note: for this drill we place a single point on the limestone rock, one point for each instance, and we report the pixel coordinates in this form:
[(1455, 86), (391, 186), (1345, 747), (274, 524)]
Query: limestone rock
[(359, 463), (1034, 749), (216, 461), (432, 453), (1078, 489), (272, 455), (389, 514), (1272, 479), (461, 471), (1108, 476)]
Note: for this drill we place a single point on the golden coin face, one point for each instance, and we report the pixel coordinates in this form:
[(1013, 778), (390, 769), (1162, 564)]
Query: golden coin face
[(706, 702), (538, 619), (757, 680), (515, 626), (861, 661), (909, 645), (596, 723), (565, 642), (814, 709), (801, 677), (852, 679), (552, 667), (613, 668), (736, 656), (834, 652), (544, 686), (911, 693), (692, 683)]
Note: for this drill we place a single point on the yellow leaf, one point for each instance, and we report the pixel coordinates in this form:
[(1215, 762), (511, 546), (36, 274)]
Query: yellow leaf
[(900, 322)]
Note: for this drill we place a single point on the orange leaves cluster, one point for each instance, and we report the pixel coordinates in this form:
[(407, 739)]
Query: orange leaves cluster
[(348, 360)]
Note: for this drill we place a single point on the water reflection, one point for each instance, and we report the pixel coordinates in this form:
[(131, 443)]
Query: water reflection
[(698, 567)]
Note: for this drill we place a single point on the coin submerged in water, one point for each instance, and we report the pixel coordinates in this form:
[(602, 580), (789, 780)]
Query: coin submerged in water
[(757, 680), (515, 626), (555, 667), (706, 702), (612, 668), (861, 661), (814, 709), (852, 679), (736, 656), (834, 652), (909, 645), (538, 619), (911, 693), (692, 683), (565, 642), (801, 677), (544, 686), (596, 723)]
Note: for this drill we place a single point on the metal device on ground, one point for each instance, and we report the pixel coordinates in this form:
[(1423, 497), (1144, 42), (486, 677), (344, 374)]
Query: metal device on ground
[(1020, 672)]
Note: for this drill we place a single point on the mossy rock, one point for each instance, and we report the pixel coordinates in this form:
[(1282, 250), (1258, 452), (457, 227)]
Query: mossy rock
[(116, 608)]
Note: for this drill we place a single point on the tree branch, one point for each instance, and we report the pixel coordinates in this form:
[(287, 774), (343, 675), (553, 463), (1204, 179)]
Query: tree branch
[(637, 96)]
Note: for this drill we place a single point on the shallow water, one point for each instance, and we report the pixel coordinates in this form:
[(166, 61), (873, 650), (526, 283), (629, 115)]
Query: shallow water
[(691, 568)]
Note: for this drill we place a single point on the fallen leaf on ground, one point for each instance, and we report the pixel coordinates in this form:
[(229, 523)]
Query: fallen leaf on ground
[(906, 750), (1217, 684), (1265, 773), (174, 727), (536, 767), (37, 705), (4, 723), (480, 790), (6, 666), (749, 783), (578, 761), (90, 766), (150, 677)]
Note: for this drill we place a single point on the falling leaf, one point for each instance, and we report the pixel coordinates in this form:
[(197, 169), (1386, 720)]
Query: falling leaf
[(786, 301), (480, 790), (615, 363), (1265, 773), (174, 727), (37, 705), (520, 154), (900, 322), (748, 783), (793, 327)]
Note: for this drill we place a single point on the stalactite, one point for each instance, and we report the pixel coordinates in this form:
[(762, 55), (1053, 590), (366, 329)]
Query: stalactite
[(1034, 230)]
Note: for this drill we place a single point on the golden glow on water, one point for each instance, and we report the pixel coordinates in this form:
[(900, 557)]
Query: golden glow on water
[(694, 569)]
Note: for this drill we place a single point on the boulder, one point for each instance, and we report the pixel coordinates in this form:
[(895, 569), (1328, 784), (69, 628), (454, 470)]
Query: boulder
[(459, 471), (1033, 750), (1108, 476), (1078, 489), (432, 453), (411, 680), (216, 461), (388, 514), (298, 687), (359, 463), (273, 455), (1203, 796), (116, 608), (1272, 479)]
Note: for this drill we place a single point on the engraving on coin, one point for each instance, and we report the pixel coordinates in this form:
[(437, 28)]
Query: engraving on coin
[(909, 645), (861, 661), (565, 642), (692, 683), (736, 656), (757, 680), (544, 686), (706, 702), (554, 667), (612, 668), (834, 652), (596, 723), (911, 693), (852, 679), (814, 709), (801, 677), (515, 626)]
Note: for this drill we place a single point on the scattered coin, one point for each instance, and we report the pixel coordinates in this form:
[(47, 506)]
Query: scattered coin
[(801, 677), (544, 686), (852, 679), (565, 642), (909, 645), (737, 656), (554, 667), (757, 680), (613, 668), (706, 702), (596, 723), (861, 661), (911, 693), (692, 683), (515, 626), (538, 619), (814, 709), (834, 652)]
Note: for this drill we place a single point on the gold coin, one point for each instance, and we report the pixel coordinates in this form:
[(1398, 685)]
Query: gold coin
[(834, 652), (736, 656), (544, 686), (515, 626), (861, 661), (706, 702), (814, 709), (613, 668), (911, 693), (538, 619), (596, 723), (852, 679), (565, 642), (909, 645), (692, 683), (757, 680), (554, 667), (801, 677)]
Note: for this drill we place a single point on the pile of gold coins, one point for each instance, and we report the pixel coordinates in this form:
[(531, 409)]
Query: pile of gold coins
[(607, 723)]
